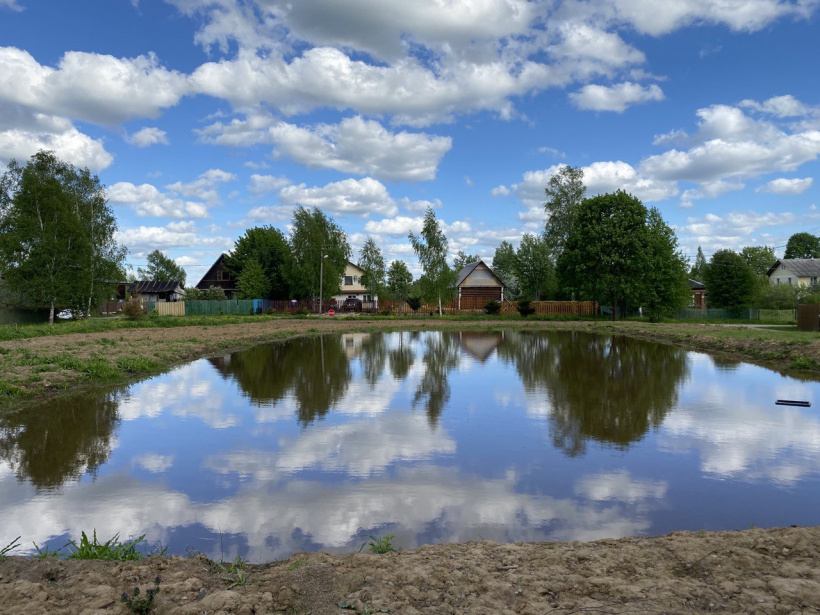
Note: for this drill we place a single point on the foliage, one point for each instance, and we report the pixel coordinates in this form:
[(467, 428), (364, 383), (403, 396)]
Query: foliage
[(269, 247), (4, 552), (730, 281), (379, 545), (133, 309), (463, 259), (565, 193), (112, 549), (57, 232), (505, 266), (372, 262), (234, 573), (194, 294), (525, 308), (215, 293), (399, 280), (141, 606), (778, 296), (492, 307), (759, 258), (535, 268), (313, 236), (414, 303), (431, 249), (803, 245), (162, 269), (698, 270), (605, 255), (664, 278), (252, 282)]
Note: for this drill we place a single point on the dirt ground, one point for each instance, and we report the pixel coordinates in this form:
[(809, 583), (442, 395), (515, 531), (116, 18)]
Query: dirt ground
[(753, 571)]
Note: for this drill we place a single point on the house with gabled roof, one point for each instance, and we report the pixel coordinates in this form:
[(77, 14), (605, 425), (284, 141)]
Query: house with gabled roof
[(797, 271), (478, 282), (217, 275)]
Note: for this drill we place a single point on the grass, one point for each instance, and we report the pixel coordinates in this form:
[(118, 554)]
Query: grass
[(112, 549), (4, 552), (141, 606), (379, 545), (233, 573)]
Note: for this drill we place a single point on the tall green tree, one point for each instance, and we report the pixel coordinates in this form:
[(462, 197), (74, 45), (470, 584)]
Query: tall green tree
[(698, 270), (315, 237), (664, 288), (505, 266), (730, 281), (565, 192), (57, 243), (803, 245), (162, 268), (535, 267), (371, 262), (462, 259), (269, 247), (252, 283), (430, 247), (399, 281), (604, 257), (759, 258)]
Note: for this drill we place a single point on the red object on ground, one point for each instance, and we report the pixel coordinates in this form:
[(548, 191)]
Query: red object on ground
[(331, 312)]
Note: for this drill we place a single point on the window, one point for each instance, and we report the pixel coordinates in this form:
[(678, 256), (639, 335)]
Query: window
[(790, 280), (813, 281), (783, 267), (348, 280), (778, 280)]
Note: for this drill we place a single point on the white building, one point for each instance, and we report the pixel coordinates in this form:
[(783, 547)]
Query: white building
[(352, 287), (797, 271)]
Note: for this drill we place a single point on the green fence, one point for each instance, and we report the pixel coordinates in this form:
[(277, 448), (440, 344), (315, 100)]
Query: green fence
[(214, 308), (737, 314), (13, 316)]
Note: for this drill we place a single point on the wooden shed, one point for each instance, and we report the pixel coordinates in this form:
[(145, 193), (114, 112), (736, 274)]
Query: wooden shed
[(217, 275), (477, 284)]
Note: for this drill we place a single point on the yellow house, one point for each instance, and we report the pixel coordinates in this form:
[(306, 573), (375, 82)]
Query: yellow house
[(352, 287), (797, 271)]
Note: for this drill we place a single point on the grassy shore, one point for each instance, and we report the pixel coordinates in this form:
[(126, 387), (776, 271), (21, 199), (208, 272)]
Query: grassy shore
[(40, 360)]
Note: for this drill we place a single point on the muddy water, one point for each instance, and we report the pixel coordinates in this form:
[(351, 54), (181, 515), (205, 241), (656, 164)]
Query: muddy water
[(318, 444)]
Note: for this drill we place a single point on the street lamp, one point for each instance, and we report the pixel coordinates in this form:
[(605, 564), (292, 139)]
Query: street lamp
[(322, 258)]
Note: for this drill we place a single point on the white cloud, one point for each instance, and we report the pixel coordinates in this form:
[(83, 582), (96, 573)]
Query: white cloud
[(260, 184), (500, 191), (420, 205), (781, 106), (148, 136), (147, 200), (203, 187), (786, 186), (11, 4), (350, 196), (355, 145), (147, 238), (401, 225), (733, 230), (615, 98), (154, 463), (69, 144)]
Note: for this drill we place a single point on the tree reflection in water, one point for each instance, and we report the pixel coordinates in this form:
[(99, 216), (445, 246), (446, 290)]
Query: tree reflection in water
[(61, 442), (403, 357), (441, 354), (609, 389)]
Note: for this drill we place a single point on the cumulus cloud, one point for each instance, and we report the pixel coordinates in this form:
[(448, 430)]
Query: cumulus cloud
[(355, 145), (147, 200), (733, 230), (69, 144), (148, 136), (361, 197), (615, 98), (786, 186), (174, 235), (203, 187), (260, 184), (780, 106)]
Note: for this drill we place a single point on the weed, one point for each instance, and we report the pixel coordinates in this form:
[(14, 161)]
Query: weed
[(379, 545), (296, 565), (804, 363), (137, 365), (112, 549), (141, 606), (9, 390), (46, 552), (234, 572), (4, 552)]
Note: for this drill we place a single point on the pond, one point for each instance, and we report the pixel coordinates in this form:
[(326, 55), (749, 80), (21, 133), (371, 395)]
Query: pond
[(319, 443)]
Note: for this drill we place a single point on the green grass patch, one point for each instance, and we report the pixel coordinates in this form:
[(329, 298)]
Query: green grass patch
[(805, 363), (9, 390), (112, 549), (138, 365)]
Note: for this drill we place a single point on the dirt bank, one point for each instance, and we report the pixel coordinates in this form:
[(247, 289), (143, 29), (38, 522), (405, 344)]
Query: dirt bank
[(32, 368), (753, 571)]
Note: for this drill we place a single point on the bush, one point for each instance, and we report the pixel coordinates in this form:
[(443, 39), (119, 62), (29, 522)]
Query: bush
[(525, 308), (492, 307), (414, 303), (269, 311), (133, 309), (302, 311)]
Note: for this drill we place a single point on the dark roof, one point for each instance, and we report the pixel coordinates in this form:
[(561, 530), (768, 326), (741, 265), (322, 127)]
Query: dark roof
[(800, 267), (153, 286), (470, 267), (695, 285)]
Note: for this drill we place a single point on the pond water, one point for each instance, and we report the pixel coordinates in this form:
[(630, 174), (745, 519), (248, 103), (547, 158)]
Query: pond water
[(319, 443)]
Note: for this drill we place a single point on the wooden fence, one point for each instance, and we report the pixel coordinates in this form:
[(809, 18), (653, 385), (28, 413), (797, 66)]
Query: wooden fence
[(808, 317), (170, 308), (475, 305)]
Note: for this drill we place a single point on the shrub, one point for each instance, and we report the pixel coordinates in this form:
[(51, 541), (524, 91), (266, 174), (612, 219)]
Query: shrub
[(302, 311), (525, 308), (492, 307), (387, 311), (414, 303), (133, 309), (269, 311)]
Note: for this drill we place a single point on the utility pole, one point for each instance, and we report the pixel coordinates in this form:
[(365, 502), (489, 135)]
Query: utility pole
[(321, 273)]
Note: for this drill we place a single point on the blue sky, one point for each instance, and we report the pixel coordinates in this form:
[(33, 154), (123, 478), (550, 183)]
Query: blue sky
[(206, 117)]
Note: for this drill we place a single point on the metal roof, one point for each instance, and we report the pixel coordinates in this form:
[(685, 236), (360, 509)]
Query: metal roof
[(153, 286), (800, 267)]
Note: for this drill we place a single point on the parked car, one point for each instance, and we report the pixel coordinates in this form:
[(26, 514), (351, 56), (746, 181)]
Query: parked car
[(351, 304)]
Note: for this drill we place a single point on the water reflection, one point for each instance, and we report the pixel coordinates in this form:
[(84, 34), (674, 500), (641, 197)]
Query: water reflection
[(441, 355)]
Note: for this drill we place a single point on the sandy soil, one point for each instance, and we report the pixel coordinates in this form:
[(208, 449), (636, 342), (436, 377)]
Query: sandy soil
[(753, 571)]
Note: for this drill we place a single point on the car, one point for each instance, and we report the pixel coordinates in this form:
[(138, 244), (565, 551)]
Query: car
[(351, 304)]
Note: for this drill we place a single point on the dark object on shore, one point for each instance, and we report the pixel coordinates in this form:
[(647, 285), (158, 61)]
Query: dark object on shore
[(790, 402)]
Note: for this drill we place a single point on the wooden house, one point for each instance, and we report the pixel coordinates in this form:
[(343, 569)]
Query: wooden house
[(698, 291), (477, 282), (217, 275)]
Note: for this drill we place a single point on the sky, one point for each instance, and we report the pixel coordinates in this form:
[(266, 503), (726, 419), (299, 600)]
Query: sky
[(207, 117)]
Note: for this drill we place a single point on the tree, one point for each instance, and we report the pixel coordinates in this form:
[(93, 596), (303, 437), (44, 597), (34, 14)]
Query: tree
[(252, 283), (371, 262), (535, 268), (664, 279), (698, 270), (505, 266), (431, 249), (565, 193), (269, 247), (316, 237), (604, 256), (399, 281), (463, 259), (214, 293), (803, 245), (162, 269), (56, 235), (759, 258), (730, 281)]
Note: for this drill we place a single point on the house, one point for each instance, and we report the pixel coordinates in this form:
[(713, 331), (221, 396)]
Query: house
[(152, 290), (698, 290), (352, 288), (798, 271), (477, 282), (217, 275)]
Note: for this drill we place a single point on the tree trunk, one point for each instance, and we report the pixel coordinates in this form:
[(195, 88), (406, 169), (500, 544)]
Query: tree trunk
[(439, 305), (51, 313), (614, 308)]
